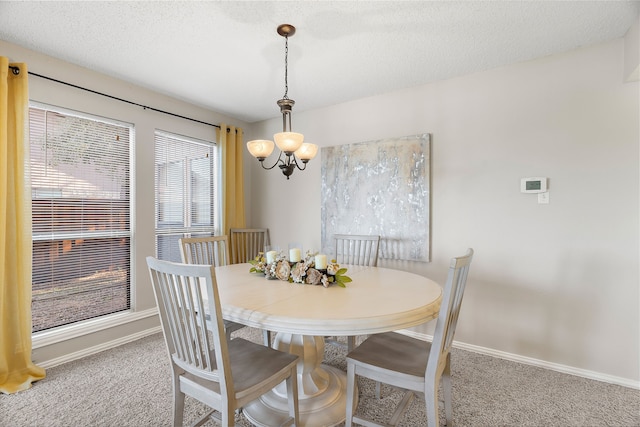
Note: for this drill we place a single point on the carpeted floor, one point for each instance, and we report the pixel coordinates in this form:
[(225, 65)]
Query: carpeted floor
[(130, 386)]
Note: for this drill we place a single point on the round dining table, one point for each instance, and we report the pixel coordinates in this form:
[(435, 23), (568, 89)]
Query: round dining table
[(377, 300)]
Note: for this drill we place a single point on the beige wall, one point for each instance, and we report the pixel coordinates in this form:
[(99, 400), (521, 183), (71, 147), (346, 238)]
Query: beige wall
[(558, 283)]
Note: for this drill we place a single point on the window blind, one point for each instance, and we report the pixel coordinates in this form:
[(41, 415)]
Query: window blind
[(186, 176), (80, 181)]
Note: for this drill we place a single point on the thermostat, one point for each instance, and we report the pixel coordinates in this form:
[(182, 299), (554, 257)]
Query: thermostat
[(536, 184)]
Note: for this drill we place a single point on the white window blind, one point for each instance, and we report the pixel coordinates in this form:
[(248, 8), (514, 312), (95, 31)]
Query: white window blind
[(186, 178), (80, 180)]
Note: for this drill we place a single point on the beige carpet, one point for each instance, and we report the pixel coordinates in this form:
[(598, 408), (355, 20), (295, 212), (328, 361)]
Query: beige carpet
[(130, 386)]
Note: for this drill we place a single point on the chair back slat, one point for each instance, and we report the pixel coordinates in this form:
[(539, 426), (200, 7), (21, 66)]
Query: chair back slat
[(245, 243), (212, 250), (356, 249), (189, 306), (448, 314)]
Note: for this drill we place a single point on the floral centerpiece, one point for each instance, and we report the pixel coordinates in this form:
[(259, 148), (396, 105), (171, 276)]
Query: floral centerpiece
[(303, 271)]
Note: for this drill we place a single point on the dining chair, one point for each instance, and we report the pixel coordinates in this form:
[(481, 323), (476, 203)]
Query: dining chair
[(246, 243), (223, 374), (409, 363), (355, 250), (212, 250)]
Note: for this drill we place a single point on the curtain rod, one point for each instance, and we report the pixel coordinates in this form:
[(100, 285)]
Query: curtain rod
[(16, 71)]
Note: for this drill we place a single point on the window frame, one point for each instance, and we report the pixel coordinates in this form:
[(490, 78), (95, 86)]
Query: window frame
[(83, 327), (188, 229)]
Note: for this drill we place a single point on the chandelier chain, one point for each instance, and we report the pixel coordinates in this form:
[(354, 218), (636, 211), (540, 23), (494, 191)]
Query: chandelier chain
[(286, 67)]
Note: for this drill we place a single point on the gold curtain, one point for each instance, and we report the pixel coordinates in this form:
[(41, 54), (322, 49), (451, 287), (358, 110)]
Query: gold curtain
[(230, 140), (17, 371)]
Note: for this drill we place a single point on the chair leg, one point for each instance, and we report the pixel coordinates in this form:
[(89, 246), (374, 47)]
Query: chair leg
[(351, 343), (431, 402), (178, 402), (227, 332), (292, 396), (446, 389), (266, 337), (351, 390), (227, 415)]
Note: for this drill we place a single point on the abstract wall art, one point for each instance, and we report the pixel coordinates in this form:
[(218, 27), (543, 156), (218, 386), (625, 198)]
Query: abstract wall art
[(379, 187)]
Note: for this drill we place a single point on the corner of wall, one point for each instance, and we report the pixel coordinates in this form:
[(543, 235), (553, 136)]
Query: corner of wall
[(632, 53)]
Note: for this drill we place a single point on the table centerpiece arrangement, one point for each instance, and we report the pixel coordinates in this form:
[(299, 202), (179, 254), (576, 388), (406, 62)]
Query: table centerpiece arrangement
[(312, 270)]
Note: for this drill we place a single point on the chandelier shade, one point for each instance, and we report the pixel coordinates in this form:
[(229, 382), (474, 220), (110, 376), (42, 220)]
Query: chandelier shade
[(290, 143), (260, 148), (306, 151)]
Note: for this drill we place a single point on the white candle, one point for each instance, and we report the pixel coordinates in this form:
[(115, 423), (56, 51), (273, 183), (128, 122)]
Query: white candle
[(294, 255), (321, 262), (271, 256)]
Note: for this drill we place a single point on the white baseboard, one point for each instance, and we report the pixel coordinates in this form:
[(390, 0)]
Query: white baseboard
[(98, 348), (592, 375), (625, 382)]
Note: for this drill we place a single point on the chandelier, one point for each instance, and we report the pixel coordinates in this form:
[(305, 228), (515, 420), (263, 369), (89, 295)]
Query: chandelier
[(291, 144)]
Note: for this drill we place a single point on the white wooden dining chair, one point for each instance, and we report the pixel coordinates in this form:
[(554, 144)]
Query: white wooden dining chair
[(355, 250), (212, 250), (246, 243), (224, 375), (409, 363)]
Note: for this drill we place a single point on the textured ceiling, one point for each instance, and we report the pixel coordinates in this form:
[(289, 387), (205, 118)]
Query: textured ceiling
[(227, 56)]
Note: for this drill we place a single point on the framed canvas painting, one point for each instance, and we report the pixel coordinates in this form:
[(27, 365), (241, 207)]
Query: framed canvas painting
[(379, 187)]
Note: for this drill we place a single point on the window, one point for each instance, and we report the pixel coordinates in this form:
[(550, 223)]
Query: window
[(80, 180), (186, 195)]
